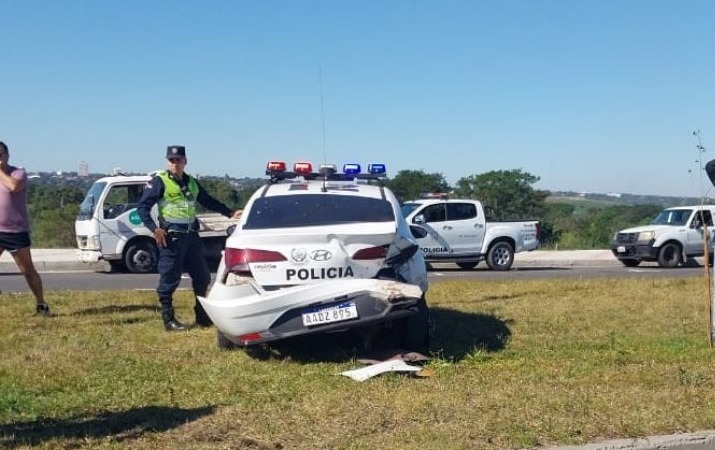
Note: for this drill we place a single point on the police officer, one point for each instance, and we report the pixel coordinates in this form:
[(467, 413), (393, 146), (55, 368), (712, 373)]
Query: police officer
[(177, 194)]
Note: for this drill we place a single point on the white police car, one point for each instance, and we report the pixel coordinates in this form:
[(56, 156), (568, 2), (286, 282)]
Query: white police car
[(317, 252)]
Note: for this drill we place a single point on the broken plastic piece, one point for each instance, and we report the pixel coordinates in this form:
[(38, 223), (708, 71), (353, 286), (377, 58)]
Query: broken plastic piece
[(392, 365)]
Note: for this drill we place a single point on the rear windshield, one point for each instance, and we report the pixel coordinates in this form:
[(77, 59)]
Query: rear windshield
[(289, 211)]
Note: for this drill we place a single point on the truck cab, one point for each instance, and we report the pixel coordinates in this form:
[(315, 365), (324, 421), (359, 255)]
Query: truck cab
[(453, 227), (108, 226)]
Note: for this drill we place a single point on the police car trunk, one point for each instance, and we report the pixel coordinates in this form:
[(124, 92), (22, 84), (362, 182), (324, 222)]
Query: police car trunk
[(309, 256)]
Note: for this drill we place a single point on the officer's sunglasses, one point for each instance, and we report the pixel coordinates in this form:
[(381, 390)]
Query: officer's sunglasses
[(176, 160)]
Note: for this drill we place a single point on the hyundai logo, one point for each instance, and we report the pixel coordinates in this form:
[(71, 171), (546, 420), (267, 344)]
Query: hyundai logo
[(320, 255)]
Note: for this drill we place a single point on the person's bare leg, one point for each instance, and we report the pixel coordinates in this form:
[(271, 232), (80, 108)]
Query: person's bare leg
[(2, 249), (23, 259)]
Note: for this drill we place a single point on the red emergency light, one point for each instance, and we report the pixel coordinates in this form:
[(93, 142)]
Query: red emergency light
[(276, 166), (303, 167)]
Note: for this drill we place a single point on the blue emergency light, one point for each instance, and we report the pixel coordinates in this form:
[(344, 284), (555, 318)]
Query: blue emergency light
[(376, 169), (351, 169)]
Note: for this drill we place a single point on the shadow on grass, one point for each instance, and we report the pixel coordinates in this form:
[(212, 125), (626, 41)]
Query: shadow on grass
[(116, 309), (455, 335), (120, 426)]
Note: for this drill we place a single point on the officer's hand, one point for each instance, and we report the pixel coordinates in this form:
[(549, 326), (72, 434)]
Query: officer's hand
[(160, 237), (237, 214)]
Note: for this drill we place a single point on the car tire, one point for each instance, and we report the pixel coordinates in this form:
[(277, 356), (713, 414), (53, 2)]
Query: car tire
[(141, 257), (500, 256), (630, 262), (670, 255), (414, 332), (223, 343), (467, 265)]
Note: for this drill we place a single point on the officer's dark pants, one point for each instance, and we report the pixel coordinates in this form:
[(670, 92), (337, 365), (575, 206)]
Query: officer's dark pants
[(182, 251)]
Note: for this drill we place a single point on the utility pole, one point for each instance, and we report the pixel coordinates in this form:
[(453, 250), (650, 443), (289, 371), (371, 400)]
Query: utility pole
[(706, 242)]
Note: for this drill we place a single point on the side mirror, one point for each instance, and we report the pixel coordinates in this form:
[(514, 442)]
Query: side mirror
[(418, 232), (230, 230)]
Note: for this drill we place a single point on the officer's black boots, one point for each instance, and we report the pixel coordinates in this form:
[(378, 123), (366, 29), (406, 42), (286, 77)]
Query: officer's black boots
[(202, 319), (174, 325), (170, 322)]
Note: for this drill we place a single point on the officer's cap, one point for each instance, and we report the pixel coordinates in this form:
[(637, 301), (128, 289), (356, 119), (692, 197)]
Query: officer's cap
[(175, 151)]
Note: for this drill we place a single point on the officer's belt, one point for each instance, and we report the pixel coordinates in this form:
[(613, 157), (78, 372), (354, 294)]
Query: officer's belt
[(179, 228)]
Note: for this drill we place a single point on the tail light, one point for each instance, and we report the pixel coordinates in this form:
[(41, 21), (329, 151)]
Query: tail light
[(238, 259), (379, 252)]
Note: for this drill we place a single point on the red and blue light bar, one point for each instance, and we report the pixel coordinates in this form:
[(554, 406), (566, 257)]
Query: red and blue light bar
[(278, 171)]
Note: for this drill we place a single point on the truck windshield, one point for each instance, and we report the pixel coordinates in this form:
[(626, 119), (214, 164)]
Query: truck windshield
[(86, 209), (290, 211), (677, 217)]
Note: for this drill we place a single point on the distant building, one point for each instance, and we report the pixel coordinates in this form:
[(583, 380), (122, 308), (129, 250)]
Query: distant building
[(83, 170), (117, 171)]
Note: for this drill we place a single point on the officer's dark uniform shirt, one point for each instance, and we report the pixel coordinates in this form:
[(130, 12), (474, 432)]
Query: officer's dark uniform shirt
[(154, 191)]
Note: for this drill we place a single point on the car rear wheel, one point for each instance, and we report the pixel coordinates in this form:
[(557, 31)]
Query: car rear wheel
[(630, 262), (467, 265), (669, 256), (414, 331), (223, 342), (500, 256)]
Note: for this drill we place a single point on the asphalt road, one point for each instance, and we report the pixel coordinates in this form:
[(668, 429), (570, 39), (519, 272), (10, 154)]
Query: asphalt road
[(106, 281)]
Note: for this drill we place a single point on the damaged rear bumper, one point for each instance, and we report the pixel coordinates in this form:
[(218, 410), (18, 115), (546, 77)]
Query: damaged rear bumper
[(247, 315)]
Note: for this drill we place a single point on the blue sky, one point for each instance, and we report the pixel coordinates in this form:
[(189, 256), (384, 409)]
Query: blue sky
[(598, 96)]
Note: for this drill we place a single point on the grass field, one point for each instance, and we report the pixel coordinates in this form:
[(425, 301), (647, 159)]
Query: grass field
[(516, 364)]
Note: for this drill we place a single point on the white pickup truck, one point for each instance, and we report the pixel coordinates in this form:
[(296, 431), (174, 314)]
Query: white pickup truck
[(458, 232), (675, 235), (108, 226)]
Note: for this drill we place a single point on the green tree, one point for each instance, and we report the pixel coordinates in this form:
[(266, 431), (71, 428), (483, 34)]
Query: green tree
[(507, 194), (410, 184)]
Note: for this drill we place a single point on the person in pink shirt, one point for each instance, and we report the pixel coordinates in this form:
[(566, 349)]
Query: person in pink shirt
[(15, 225)]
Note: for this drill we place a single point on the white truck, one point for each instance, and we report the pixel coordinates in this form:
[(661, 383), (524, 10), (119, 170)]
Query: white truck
[(675, 235), (108, 226), (458, 232)]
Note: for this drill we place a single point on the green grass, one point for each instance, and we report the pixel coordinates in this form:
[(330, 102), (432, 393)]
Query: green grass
[(516, 364)]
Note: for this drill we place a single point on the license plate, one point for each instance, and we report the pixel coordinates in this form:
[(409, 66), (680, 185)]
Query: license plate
[(336, 313), (621, 249)]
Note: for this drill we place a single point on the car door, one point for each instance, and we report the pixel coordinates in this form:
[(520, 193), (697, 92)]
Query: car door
[(695, 233), (433, 218), (118, 217), (463, 229)]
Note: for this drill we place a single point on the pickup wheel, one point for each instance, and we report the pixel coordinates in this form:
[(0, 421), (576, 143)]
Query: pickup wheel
[(467, 265), (500, 256), (670, 256), (630, 262), (141, 257)]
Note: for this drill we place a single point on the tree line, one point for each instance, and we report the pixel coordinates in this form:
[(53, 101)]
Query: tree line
[(506, 194)]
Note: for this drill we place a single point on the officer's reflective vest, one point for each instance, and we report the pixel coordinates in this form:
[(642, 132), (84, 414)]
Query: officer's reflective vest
[(178, 205)]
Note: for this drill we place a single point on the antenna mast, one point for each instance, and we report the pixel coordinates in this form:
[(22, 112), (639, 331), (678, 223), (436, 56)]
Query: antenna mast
[(322, 113)]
